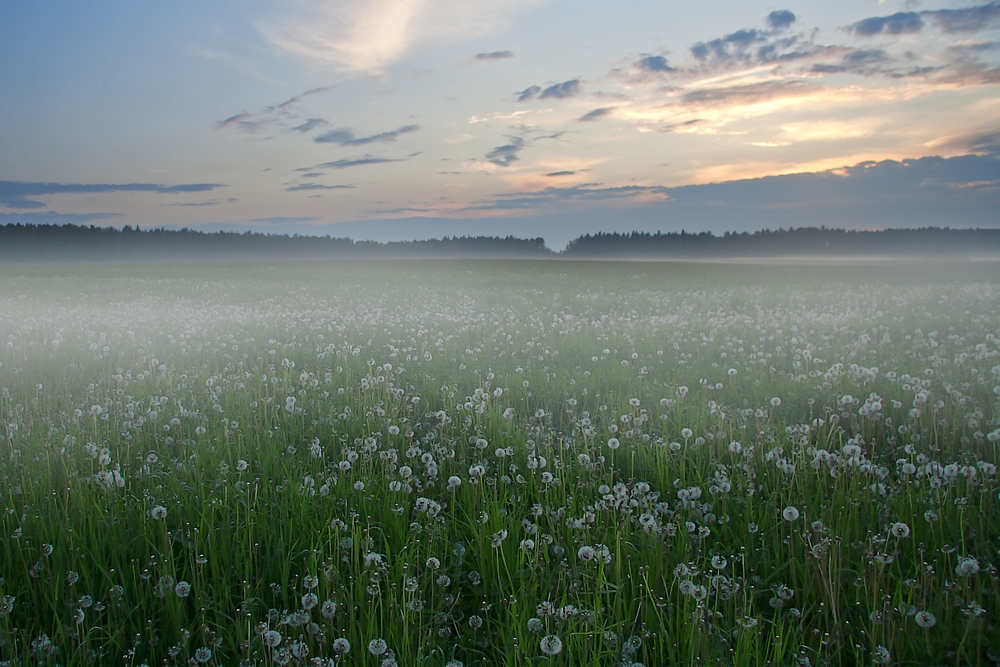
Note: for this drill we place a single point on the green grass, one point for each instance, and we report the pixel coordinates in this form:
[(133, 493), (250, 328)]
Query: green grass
[(300, 424)]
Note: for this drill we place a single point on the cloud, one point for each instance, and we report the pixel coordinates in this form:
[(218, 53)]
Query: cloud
[(595, 114), (556, 174), (252, 123), (966, 19), (751, 93), (731, 46), (20, 194), (654, 64), (529, 93), (780, 19), (310, 125), (316, 186), (561, 90), (494, 55), (504, 156), (356, 162), (900, 23), (213, 202), (346, 137), (368, 35), (281, 220), (557, 91)]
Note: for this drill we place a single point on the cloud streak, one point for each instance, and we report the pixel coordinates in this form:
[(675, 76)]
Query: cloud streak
[(346, 136), (562, 90), (254, 122), (355, 162), (961, 20), (23, 195), (494, 55)]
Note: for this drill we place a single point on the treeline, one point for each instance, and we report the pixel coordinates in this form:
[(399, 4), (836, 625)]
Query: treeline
[(802, 242), (75, 243)]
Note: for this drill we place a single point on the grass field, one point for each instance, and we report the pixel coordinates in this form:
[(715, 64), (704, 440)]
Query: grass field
[(500, 463)]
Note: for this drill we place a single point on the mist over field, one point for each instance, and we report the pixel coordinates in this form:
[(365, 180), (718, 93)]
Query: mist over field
[(500, 462), (438, 333)]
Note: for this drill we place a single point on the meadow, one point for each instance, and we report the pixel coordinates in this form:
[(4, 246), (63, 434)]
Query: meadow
[(500, 463)]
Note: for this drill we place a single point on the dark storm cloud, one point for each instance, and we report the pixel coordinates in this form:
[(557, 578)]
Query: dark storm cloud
[(780, 19), (654, 64), (595, 114), (504, 156), (494, 55), (20, 194), (346, 136)]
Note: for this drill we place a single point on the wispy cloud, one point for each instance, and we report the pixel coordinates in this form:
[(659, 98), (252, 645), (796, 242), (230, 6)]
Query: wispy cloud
[(654, 64), (596, 114), (495, 55), (368, 35), (565, 89), (900, 23), (961, 20), (300, 187), (346, 136), (310, 125), (355, 162), (504, 156), (22, 195), (283, 112)]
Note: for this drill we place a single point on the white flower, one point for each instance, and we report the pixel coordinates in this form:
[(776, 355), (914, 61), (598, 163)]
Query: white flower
[(551, 645), (203, 654), (925, 619), (686, 433), (341, 646), (899, 529), (158, 513), (614, 443), (183, 589), (377, 646), (586, 554), (272, 638), (790, 513)]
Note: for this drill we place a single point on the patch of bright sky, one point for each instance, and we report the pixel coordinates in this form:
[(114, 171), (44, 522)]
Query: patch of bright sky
[(346, 110)]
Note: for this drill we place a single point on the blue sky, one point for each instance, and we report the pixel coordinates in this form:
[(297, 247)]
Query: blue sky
[(417, 118)]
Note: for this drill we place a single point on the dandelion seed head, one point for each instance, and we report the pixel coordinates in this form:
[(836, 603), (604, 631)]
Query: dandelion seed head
[(551, 645)]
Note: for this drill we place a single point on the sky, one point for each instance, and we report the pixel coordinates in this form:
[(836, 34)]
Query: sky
[(406, 119)]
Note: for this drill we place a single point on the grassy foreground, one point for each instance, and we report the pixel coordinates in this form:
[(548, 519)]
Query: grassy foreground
[(500, 463)]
